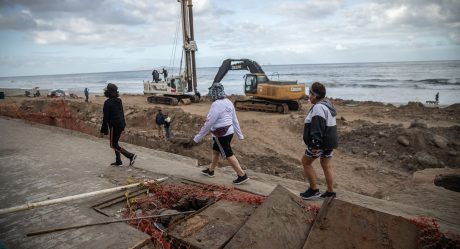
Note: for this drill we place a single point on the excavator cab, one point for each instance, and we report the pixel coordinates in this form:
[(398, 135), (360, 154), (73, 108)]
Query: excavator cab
[(252, 80)]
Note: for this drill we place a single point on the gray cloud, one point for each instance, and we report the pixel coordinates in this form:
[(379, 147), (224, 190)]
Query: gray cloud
[(307, 9), (20, 21), (284, 31)]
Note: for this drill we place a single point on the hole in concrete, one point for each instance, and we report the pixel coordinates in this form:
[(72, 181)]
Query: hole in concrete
[(210, 201), (450, 182)]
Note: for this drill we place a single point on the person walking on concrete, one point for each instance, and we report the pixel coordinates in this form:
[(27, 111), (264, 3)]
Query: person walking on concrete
[(86, 94), (113, 123), (320, 137), (222, 123), (160, 122), (167, 125), (165, 73)]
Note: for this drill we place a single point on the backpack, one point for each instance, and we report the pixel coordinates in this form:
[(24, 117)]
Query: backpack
[(160, 119)]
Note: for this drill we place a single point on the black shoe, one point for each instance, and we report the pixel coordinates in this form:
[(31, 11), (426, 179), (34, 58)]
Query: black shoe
[(208, 173), (310, 194), (328, 194), (241, 179), (117, 164), (131, 160)]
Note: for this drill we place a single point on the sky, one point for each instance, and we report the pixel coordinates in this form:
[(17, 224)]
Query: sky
[(41, 37)]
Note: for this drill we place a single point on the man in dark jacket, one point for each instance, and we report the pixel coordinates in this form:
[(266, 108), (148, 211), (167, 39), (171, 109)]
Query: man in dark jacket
[(320, 136), (114, 120), (165, 73), (160, 121)]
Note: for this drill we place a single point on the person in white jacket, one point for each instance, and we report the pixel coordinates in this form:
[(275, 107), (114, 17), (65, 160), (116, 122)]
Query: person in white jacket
[(222, 123)]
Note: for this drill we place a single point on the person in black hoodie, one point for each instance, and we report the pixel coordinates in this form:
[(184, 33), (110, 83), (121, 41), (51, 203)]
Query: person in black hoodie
[(320, 136), (114, 120)]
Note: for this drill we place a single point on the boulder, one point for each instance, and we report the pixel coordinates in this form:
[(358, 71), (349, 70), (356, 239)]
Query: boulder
[(426, 160), (374, 154)]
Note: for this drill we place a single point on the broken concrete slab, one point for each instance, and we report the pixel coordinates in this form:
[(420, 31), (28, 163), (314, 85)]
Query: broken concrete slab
[(214, 226), (360, 227), (281, 215)]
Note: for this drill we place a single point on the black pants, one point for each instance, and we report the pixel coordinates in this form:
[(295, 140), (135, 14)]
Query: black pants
[(115, 134)]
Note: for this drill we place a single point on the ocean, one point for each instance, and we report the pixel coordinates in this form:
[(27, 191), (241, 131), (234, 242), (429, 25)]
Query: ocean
[(388, 82)]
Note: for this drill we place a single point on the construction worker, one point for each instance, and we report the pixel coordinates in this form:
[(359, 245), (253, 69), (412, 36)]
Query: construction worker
[(222, 123), (114, 120), (160, 121), (320, 137), (165, 73), (167, 125)]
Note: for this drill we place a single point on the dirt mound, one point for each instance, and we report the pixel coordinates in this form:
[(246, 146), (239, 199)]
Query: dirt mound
[(408, 148)]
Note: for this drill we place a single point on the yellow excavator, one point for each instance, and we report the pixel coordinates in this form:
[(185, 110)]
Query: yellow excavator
[(266, 95)]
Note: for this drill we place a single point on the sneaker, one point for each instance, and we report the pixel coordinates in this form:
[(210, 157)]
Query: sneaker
[(241, 179), (131, 160), (207, 172), (310, 194), (117, 164), (328, 194)]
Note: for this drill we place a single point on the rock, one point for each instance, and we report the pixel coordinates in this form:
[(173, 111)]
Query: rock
[(382, 134), (359, 168), (374, 154), (342, 118), (403, 140), (280, 171), (410, 167), (426, 160), (439, 141), (93, 120), (389, 159), (365, 153), (418, 123), (452, 153), (354, 150), (378, 194)]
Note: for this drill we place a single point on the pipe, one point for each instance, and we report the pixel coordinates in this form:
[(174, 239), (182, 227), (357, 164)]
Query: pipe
[(73, 197), (105, 223)]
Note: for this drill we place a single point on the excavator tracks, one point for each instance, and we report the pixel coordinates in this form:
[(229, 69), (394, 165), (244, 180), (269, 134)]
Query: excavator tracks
[(163, 100), (262, 106), (173, 100)]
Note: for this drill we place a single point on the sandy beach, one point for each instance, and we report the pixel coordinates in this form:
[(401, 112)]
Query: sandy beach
[(392, 153)]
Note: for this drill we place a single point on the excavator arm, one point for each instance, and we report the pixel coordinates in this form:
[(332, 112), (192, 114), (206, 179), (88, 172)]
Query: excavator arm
[(238, 64)]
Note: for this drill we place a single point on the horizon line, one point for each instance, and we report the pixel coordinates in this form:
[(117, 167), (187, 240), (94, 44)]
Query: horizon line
[(328, 63)]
